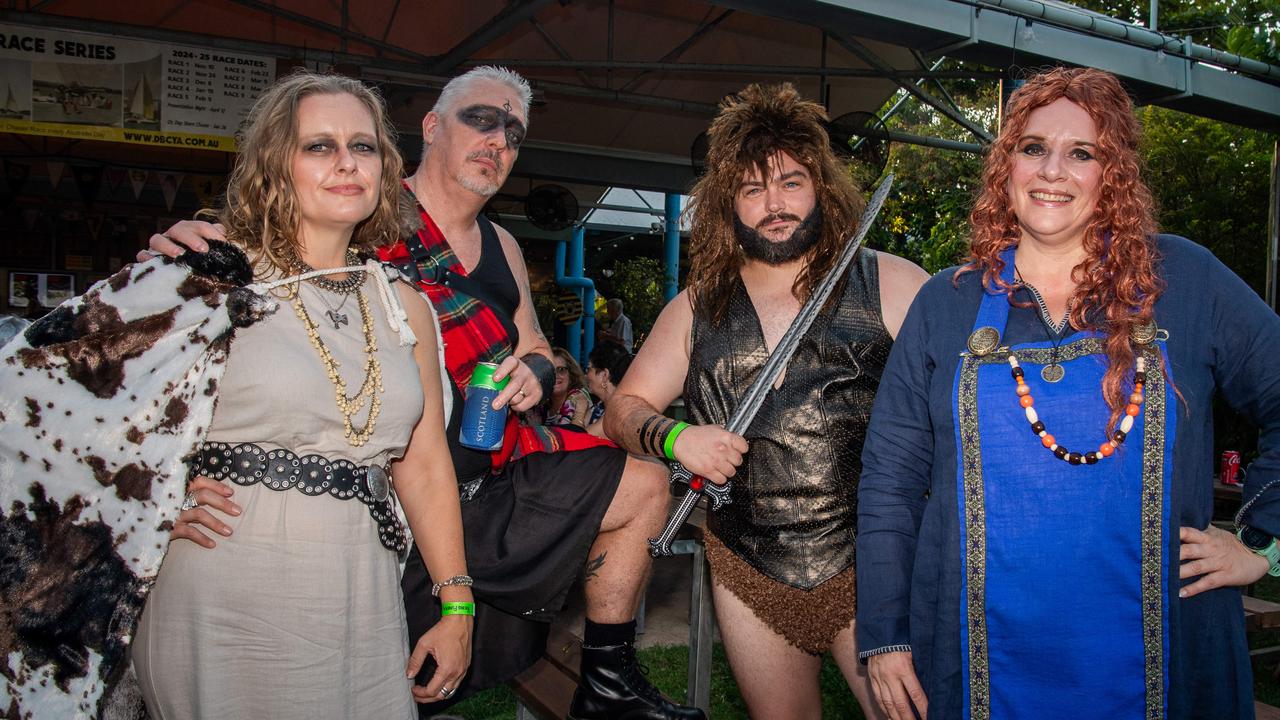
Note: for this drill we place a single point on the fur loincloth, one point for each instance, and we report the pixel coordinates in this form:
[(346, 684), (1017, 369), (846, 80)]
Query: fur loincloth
[(808, 619)]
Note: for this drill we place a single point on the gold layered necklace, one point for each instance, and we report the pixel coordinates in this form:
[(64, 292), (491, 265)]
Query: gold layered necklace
[(370, 390)]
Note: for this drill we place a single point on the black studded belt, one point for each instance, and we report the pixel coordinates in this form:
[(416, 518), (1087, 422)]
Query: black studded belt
[(247, 464)]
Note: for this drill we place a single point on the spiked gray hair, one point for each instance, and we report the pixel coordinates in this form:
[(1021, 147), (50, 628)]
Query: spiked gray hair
[(484, 73)]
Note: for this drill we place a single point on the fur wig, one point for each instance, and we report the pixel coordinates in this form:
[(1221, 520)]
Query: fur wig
[(752, 127)]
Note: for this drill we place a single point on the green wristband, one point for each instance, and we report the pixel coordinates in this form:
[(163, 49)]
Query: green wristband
[(458, 608), (669, 444)]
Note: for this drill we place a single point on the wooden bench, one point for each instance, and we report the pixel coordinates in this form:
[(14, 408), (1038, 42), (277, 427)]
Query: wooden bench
[(545, 690), (701, 615), (1260, 614)]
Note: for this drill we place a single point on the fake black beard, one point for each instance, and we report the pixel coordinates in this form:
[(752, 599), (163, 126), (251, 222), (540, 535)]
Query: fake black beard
[(758, 247)]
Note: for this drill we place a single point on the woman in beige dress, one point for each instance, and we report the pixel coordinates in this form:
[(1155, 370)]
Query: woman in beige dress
[(296, 613)]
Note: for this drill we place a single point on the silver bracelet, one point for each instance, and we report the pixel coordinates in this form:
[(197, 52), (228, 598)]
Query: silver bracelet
[(460, 580)]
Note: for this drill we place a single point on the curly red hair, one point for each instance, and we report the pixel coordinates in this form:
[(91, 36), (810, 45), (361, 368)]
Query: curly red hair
[(1116, 284)]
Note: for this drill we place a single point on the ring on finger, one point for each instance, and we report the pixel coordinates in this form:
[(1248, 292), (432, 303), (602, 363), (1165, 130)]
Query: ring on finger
[(446, 693), (519, 394), (188, 502)]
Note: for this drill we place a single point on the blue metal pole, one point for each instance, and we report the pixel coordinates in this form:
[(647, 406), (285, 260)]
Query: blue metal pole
[(671, 247), (570, 254)]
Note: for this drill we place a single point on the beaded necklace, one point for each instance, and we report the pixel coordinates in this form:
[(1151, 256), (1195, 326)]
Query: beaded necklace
[(1105, 449), (370, 390), (1053, 372), (342, 287)]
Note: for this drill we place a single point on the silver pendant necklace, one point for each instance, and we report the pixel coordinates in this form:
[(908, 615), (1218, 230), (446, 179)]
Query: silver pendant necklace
[(1052, 372), (335, 314)]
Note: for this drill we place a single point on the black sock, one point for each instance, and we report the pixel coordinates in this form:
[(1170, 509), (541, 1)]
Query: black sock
[(605, 634)]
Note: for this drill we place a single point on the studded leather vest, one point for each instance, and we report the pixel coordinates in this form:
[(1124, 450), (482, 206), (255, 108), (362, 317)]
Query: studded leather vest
[(794, 499)]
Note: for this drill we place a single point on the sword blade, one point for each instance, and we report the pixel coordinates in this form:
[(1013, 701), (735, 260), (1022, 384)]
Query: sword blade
[(747, 408)]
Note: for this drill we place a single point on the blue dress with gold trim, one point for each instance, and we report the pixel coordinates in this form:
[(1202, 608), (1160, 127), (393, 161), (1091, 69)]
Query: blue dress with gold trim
[(1027, 587)]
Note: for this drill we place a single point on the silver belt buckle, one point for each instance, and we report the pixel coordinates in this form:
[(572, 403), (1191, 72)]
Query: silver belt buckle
[(377, 483)]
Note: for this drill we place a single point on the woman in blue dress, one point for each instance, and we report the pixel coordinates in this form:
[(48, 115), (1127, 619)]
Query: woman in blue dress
[(1034, 537)]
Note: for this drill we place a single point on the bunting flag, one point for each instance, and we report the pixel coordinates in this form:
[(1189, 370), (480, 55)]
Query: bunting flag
[(115, 178), (142, 226), (94, 221), (88, 180), (138, 179), (15, 177), (208, 188), (55, 168), (169, 183)]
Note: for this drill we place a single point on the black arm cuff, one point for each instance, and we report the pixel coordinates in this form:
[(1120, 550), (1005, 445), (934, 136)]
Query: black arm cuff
[(543, 370)]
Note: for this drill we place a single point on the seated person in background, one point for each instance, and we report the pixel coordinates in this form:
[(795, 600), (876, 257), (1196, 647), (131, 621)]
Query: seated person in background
[(570, 403), (606, 365), (618, 327)]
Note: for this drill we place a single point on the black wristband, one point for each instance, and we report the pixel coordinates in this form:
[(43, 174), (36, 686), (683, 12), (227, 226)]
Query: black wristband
[(543, 370), (653, 433), (644, 432)]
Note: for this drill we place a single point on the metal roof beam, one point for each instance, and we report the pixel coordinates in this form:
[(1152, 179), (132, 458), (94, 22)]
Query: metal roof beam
[(497, 26), (604, 166), (335, 30), (688, 42), (559, 49), (866, 55), (1158, 68), (724, 68)]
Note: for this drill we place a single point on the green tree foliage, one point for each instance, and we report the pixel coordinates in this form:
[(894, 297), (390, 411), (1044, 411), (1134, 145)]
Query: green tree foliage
[(1250, 28), (926, 217), (638, 281), (1211, 181)]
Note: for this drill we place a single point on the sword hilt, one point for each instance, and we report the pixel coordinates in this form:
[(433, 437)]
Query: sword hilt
[(698, 486), (680, 474)]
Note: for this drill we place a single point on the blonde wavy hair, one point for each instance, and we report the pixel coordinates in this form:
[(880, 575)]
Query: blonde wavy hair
[(260, 210)]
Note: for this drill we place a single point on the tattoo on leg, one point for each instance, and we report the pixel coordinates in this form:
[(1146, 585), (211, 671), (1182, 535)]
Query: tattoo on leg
[(593, 566)]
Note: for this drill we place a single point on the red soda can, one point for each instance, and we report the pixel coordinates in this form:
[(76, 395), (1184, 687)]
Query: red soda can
[(1229, 469)]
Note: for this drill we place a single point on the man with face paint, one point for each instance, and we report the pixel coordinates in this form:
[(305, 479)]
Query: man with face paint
[(532, 515), (770, 218)]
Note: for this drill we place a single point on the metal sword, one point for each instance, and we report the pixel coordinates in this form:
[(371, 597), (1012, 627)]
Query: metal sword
[(747, 408)]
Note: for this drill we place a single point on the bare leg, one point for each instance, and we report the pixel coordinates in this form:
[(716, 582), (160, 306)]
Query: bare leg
[(778, 680), (619, 565), (845, 650), (612, 684)]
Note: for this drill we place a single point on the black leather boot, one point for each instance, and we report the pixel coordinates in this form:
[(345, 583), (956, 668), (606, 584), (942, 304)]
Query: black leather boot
[(613, 687)]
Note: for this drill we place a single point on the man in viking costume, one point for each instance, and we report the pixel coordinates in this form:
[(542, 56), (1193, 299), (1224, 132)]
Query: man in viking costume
[(547, 502), (770, 217)]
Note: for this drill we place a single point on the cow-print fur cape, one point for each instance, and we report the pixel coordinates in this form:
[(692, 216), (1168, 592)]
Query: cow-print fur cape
[(102, 400)]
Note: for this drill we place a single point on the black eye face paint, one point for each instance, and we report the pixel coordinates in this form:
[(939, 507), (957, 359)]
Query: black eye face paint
[(487, 118)]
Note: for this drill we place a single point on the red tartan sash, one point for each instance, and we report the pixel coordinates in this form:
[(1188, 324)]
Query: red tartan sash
[(472, 333)]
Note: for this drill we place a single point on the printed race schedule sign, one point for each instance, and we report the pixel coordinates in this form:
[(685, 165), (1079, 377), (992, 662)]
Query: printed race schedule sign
[(103, 87)]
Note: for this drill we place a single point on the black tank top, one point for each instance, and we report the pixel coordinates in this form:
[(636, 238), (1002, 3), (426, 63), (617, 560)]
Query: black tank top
[(794, 509), (492, 283)]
